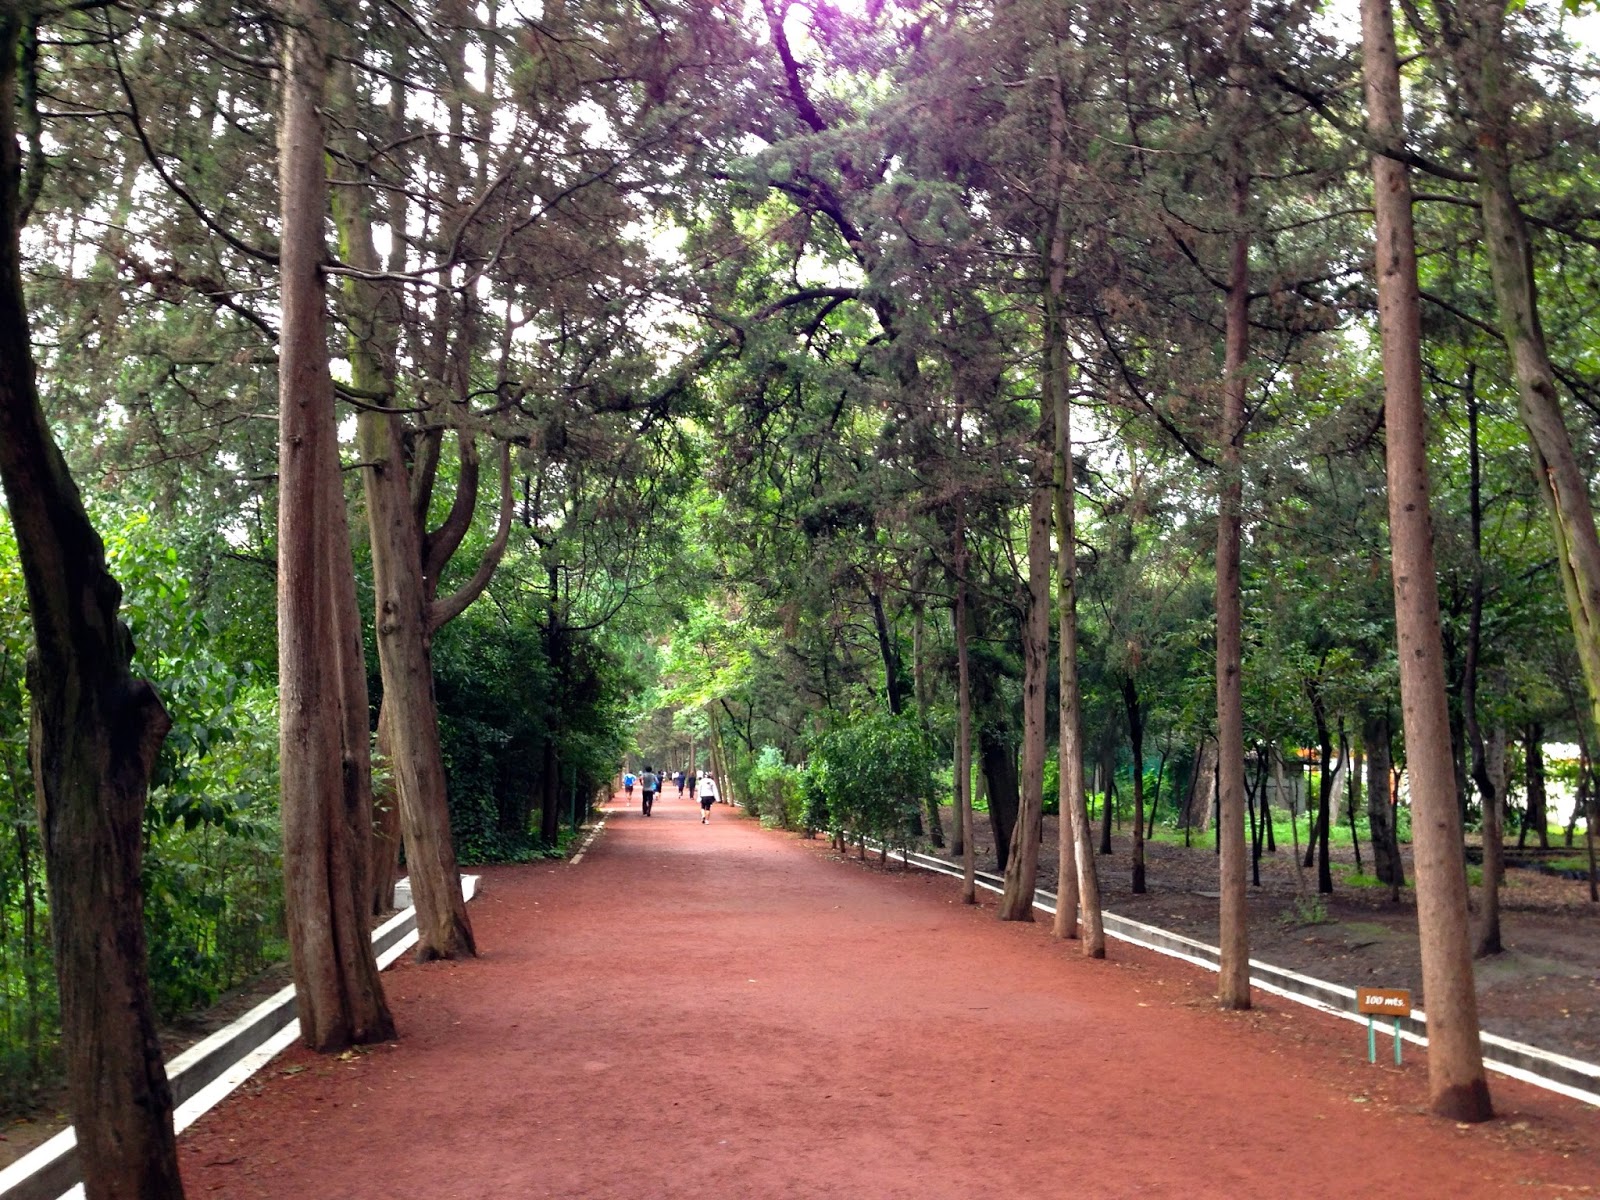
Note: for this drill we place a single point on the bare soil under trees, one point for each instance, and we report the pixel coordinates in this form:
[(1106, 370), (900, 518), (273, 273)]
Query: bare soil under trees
[(1544, 989), (700, 1010)]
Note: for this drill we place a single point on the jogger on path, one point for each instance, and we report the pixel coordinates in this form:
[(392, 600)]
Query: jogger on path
[(708, 797)]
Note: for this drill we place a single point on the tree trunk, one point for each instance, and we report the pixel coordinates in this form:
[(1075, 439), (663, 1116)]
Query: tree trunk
[(1557, 470), (891, 660), (1022, 865), (326, 848), (998, 762), (1486, 939), (1078, 879), (1318, 839), (1491, 783), (1294, 824), (94, 735), (969, 887), (1202, 787), (403, 633), (1108, 777), (444, 930), (1266, 808), (1381, 822), (1456, 1084), (1135, 711), (1350, 765), (384, 869), (1538, 815), (1233, 933)]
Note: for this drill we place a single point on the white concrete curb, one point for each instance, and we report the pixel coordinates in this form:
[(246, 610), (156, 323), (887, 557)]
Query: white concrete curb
[(207, 1071), (1554, 1072)]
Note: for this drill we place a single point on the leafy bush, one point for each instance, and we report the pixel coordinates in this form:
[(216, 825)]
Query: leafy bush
[(871, 773), (212, 864), (813, 795), (515, 726), (773, 790)]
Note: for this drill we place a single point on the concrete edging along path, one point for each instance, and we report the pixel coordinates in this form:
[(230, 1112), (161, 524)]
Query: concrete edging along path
[(207, 1071), (1558, 1073)]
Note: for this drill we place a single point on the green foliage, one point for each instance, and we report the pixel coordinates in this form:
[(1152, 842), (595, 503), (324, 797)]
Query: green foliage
[(212, 866), (1306, 910), (773, 790), (871, 772), (503, 704), (212, 871)]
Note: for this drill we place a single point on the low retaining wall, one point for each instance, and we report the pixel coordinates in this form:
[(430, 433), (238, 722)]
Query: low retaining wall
[(207, 1071)]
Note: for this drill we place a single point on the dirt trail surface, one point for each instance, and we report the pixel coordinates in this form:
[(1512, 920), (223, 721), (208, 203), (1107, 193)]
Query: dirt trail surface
[(724, 1011)]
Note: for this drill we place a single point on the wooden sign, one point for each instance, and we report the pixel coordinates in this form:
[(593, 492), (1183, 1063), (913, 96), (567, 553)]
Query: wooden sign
[(1383, 1002)]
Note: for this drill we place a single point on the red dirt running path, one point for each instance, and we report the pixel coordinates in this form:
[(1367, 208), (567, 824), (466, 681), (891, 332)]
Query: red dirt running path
[(725, 1011)]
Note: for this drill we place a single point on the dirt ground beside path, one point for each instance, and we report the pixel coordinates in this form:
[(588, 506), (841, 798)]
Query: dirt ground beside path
[(726, 1011), (1544, 989)]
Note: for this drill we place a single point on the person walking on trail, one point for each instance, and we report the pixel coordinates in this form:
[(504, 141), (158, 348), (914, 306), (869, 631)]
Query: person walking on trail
[(708, 797), (678, 779), (627, 785), (649, 784)]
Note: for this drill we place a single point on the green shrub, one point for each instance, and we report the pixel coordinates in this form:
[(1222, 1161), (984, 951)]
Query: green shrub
[(872, 773), (772, 790)]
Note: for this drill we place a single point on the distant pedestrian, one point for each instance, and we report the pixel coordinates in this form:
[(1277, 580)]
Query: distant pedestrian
[(678, 779), (708, 797), (649, 784), (627, 784)]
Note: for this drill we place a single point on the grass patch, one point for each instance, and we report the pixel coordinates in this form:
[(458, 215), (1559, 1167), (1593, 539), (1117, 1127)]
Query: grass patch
[(1306, 910)]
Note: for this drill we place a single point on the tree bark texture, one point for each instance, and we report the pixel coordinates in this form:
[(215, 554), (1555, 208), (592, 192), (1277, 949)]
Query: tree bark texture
[(95, 732), (969, 887), (1456, 1084), (325, 843), (1233, 933), (1481, 56), (402, 622), (886, 649), (1386, 863), (998, 761), (1537, 818), (1022, 865), (1079, 876), (1486, 938), (1202, 787), (1135, 711)]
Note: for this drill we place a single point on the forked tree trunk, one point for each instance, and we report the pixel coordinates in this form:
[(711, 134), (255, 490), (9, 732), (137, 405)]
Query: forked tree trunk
[(94, 735), (409, 718), (1233, 933), (337, 989), (1079, 886), (1456, 1084), (1022, 865)]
